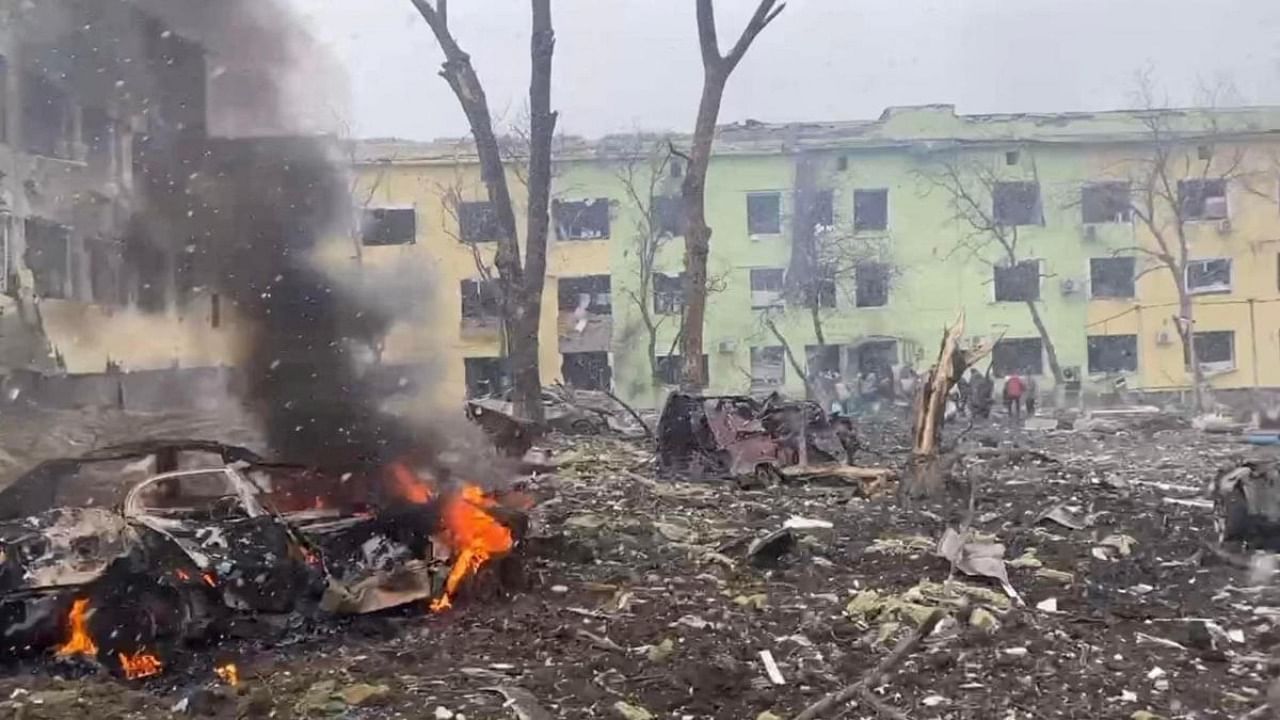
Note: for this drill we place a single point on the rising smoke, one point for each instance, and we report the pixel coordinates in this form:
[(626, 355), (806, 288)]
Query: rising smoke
[(237, 191)]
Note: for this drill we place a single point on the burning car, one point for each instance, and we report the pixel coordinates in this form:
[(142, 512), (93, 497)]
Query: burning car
[(182, 551)]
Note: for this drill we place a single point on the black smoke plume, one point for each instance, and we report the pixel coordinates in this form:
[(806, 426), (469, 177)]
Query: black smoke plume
[(234, 192)]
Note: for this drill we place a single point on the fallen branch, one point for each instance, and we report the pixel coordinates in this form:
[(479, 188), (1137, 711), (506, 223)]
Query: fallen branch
[(631, 411), (876, 677), (601, 642)]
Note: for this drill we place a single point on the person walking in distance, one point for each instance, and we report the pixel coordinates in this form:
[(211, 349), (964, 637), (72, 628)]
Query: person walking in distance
[(1014, 388), (1029, 395)]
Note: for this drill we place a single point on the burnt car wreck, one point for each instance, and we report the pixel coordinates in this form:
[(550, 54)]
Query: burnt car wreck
[(737, 435), (124, 564)]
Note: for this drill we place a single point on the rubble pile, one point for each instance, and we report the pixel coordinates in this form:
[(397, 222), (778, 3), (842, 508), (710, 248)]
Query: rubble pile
[(1069, 573)]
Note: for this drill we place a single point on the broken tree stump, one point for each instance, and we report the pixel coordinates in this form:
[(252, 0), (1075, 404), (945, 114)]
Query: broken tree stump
[(926, 471)]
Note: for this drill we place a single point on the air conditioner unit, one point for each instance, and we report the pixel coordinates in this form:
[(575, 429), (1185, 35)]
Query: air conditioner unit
[(728, 346), (1070, 286), (1224, 225), (1163, 339), (1091, 232), (1071, 373)]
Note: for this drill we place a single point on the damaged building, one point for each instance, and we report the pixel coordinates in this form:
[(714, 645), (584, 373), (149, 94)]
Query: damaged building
[(839, 251), (88, 290)]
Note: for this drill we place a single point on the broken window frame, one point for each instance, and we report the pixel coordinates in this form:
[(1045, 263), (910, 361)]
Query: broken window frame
[(823, 289), (666, 216), (668, 294), (1014, 354), (670, 369), (580, 220), (822, 210), (768, 367), (767, 288), (1205, 270), (1017, 203), (1113, 278), (1005, 283), (870, 210), (1205, 340), (1203, 199), (1112, 354), (486, 369), (387, 226), (478, 222), (481, 299), (1105, 202), (580, 374), (172, 486), (48, 258), (598, 289), (47, 135), (764, 213), (871, 284)]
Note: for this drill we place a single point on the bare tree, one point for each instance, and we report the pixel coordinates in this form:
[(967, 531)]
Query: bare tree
[(697, 235), (1179, 177), (521, 281), (642, 170), (973, 190)]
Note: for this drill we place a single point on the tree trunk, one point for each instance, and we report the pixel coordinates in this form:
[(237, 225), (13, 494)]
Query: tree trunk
[(791, 358), (1187, 334), (542, 123), (520, 283), (697, 235), (1050, 351)]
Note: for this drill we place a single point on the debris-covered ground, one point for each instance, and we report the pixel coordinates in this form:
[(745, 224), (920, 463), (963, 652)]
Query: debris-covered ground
[(649, 598)]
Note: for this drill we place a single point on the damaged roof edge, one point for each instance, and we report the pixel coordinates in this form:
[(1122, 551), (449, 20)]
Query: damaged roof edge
[(928, 127)]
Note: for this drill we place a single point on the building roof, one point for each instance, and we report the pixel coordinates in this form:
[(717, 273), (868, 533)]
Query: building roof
[(928, 126)]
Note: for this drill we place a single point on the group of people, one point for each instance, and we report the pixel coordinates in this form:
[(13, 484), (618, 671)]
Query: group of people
[(871, 389), (974, 395)]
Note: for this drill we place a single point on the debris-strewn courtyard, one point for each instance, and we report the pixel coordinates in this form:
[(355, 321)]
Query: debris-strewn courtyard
[(644, 597)]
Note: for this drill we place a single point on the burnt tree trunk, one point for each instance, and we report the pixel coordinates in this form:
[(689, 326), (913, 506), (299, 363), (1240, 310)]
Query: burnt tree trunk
[(716, 69), (520, 283), (927, 469)]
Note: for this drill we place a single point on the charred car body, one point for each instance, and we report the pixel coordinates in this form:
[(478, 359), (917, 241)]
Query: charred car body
[(734, 435), (166, 557)]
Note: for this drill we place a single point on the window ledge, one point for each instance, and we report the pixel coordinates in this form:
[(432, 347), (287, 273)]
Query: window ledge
[(1209, 291)]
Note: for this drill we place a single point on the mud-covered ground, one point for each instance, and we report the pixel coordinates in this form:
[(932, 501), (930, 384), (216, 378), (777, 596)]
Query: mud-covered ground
[(640, 603)]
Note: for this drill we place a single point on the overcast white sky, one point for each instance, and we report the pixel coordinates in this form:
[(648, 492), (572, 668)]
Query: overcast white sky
[(627, 64)]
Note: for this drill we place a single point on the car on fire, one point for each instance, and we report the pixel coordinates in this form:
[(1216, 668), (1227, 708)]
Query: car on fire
[(145, 559)]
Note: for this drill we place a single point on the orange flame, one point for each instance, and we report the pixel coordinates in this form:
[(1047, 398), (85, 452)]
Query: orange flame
[(408, 485), (78, 640), (209, 579), (473, 534), (229, 674), (182, 574), (140, 664)]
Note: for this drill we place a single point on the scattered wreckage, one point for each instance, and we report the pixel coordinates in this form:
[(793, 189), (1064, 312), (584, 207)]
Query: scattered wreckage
[(569, 411), (123, 564), (742, 437)]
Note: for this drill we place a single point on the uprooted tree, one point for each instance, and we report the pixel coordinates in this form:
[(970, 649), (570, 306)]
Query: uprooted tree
[(716, 69), (520, 282), (990, 210)]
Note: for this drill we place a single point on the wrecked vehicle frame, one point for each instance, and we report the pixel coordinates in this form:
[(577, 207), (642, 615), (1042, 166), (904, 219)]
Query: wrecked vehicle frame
[(186, 550), (735, 435)]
